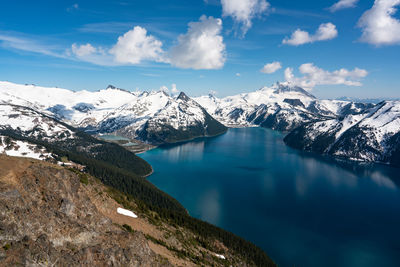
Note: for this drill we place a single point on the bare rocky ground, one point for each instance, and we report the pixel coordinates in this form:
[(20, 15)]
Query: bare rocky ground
[(54, 216), (47, 218)]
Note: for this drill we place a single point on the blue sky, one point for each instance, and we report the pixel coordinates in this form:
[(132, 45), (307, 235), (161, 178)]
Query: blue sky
[(88, 45)]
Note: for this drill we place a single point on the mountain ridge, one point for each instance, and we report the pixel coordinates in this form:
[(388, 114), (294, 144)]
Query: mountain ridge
[(157, 118)]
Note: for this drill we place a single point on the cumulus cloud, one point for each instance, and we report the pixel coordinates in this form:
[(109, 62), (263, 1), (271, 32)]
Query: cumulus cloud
[(94, 55), (83, 50), (135, 46), (174, 90), (202, 47), (314, 76), (342, 4), (326, 31), (271, 67), (243, 11), (379, 26)]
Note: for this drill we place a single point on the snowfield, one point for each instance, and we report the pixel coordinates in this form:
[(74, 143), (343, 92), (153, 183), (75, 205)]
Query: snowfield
[(126, 213), (361, 131), (106, 111), (14, 148), (372, 135), (32, 123)]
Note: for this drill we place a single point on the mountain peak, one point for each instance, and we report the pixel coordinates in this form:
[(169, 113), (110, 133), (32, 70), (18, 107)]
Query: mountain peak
[(283, 87), (183, 96), (112, 87)]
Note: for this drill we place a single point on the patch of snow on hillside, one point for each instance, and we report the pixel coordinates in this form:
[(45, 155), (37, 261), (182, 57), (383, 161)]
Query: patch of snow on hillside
[(17, 148), (126, 213)]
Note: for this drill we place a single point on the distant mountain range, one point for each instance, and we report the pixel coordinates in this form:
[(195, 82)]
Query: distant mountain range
[(153, 117), (281, 107), (356, 130), (366, 100)]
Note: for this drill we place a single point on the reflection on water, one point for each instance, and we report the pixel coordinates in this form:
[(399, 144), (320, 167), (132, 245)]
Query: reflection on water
[(302, 209), (209, 206), (186, 152)]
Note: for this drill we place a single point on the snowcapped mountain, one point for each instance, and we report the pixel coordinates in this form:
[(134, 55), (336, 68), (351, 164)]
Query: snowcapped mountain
[(181, 119), (281, 107), (361, 131), (370, 135), (112, 110), (30, 123)]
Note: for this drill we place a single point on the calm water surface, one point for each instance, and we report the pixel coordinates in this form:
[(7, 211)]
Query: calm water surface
[(302, 209)]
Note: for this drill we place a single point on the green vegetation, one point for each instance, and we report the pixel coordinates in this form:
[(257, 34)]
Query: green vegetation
[(183, 254), (128, 228), (6, 247), (124, 173)]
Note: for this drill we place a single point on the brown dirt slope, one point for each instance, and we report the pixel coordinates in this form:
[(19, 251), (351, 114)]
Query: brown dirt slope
[(47, 218), (55, 216)]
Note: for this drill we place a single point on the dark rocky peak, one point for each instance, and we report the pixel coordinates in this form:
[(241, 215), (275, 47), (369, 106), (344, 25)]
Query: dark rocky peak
[(294, 102), (112, 87), (182, 96)]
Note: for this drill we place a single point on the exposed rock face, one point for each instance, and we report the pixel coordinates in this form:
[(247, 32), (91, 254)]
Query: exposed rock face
[(281, 107), (180, 120), (153, 117), (369, 135), (47, 218)]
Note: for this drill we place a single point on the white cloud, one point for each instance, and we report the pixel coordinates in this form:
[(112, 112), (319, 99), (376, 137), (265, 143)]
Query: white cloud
[(238, 74), (89, 53), (314, 76), (22, 42), (174, 90), (83, 50), (271, 67), (342, 4), (243, 11), (135, 46), (326, 31), (378, 25), (202, 47)]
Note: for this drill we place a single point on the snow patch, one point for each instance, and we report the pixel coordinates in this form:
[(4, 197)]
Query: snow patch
[(126, 212), (220, 256)]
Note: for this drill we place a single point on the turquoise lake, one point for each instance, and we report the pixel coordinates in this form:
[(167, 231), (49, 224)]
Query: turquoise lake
[(302, 209)]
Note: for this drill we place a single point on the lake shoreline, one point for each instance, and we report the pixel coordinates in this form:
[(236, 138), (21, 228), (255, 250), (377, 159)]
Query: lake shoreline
[(190, 172)]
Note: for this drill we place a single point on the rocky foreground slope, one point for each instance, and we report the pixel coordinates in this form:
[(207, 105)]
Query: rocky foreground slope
[(54, 216), (48, 217)]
